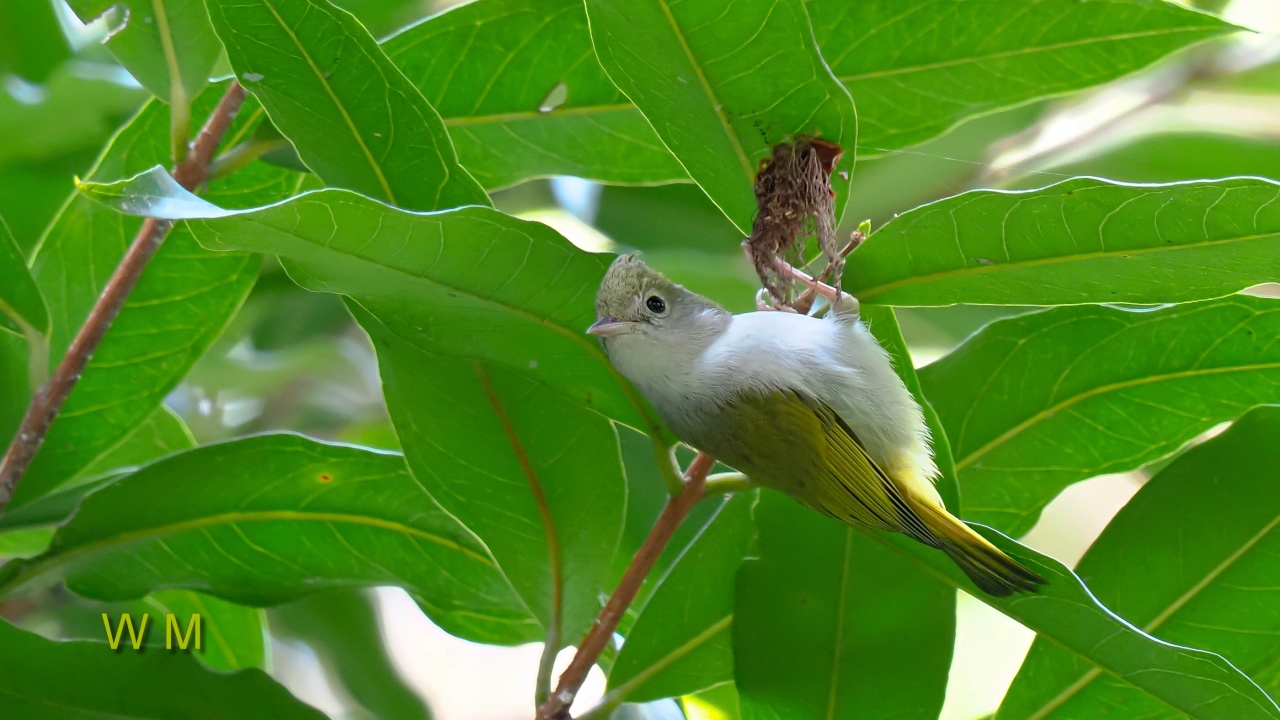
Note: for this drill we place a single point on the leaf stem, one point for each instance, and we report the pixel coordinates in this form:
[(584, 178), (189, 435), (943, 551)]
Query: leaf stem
[(673, 514), (49, 399)]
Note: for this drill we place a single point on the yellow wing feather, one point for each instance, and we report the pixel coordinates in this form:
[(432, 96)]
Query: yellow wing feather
[(802, 447)]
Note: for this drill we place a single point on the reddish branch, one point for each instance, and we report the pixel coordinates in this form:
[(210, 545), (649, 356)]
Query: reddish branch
[(673, 514), (48, 400)]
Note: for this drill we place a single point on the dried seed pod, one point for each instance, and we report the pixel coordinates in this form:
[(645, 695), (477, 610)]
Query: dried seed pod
[(793, 188)]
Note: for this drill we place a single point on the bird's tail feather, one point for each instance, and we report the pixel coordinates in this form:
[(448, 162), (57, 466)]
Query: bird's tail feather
[(994, 572)]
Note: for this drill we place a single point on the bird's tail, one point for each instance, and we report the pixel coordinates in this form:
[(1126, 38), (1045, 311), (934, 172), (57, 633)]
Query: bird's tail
[(994, 572)]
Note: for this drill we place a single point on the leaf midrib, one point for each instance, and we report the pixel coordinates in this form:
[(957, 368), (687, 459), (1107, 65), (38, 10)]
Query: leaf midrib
[(1101, 389), (716, 105), (41, 567), (866, 294), (346, 117), (555, 556), (1084, 680), (1083, 42)]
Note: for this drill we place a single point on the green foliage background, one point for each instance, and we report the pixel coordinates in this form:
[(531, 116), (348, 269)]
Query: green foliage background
[(358, 360)]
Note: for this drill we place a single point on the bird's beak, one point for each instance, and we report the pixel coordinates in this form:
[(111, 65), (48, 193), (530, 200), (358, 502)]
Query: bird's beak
[(608, 326)]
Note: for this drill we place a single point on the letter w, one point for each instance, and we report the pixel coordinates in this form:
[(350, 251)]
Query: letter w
[(126, 620)]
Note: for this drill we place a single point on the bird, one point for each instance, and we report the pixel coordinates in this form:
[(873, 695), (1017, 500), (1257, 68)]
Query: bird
[(809, 406)]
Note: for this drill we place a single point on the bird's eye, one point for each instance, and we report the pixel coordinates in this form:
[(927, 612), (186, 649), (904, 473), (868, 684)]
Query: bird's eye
[(656, 305)]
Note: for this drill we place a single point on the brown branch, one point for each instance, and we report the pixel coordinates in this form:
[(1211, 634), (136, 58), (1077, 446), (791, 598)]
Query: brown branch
[(49, 399), (673, 514)]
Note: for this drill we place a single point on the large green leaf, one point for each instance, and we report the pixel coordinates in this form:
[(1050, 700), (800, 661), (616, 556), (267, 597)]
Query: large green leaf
[(184, 299), (268, 519), (1198, 683), (1190, 559), (918, 67), (472, 282), (1039, 401), (1083, 240), (535, 475), (354, 118), (492, 69), (829, 623), (720, 87), (859, 628), (168, 45), (87, 681), (682, 642), (21, 304)]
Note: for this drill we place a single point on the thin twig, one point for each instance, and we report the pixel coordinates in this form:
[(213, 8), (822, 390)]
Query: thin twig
[(673, 514), (49, 399)]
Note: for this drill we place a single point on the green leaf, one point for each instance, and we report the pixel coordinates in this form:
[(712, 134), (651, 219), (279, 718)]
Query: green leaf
[(1199, 683), (432, 278), (828, 623), (919, 67), (682, 641), (184, 299), (232, 636), (268, 519), (31, 42), (168, 45), (341, 627), (1036, 402), (354, 118), (492, 69), (536, 476), (161, 434), (1081, 241), (128, 685), (859, 628), (20, 301), (1190, 559), (721, 87)]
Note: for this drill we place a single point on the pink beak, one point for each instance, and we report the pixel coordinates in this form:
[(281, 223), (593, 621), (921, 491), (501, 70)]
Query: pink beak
[(608, 326)]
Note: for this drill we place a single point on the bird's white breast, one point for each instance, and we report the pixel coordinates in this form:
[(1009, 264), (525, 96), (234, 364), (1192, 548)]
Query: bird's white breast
[(834, 359)]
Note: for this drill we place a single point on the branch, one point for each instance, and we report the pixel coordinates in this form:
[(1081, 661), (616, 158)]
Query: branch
[(49, 399), (673, 514)]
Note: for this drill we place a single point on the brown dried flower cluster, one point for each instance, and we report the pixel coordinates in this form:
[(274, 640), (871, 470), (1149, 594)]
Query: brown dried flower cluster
[(793, 190)]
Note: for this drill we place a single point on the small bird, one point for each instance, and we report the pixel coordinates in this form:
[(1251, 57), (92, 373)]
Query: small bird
[(808, 406)]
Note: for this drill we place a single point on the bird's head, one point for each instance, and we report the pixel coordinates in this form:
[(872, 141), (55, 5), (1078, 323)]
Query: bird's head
[(635, 300)]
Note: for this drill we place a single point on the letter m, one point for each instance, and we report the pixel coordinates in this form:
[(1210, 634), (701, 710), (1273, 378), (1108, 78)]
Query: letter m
[(172, 628)]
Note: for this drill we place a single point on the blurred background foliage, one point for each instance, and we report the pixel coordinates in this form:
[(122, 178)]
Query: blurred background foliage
[(294, 360)]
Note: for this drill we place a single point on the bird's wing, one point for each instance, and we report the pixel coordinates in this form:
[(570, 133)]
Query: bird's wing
[(811, 453)]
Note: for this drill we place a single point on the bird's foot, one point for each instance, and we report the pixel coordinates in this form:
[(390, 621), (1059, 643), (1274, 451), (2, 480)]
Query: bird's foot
[(766, 303), (841, 302)]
